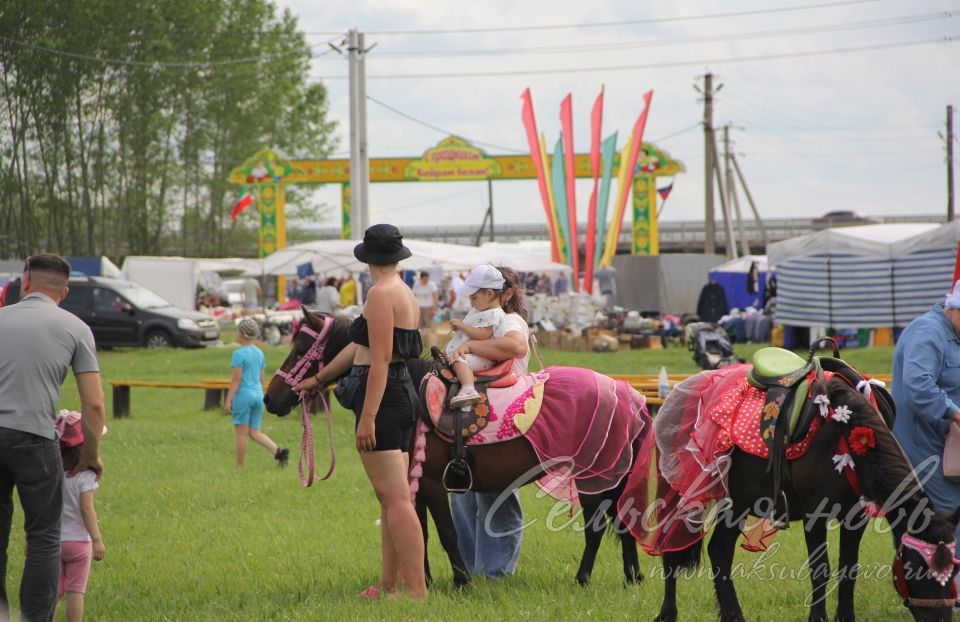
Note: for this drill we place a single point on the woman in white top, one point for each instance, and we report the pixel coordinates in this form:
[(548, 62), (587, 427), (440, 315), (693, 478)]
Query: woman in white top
[(491, 545)]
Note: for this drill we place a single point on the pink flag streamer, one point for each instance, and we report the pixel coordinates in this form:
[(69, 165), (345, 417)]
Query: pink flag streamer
[(638, 128), (530, 125), (596, 121)]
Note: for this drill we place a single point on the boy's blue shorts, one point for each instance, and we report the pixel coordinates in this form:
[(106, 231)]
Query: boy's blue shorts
[(248, 409)]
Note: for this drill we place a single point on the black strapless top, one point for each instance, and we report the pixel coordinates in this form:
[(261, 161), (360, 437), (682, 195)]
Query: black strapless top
[(407, 343)]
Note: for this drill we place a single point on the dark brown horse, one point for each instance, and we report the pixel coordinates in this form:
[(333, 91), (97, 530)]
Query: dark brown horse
[(496, 468), (815, 493)]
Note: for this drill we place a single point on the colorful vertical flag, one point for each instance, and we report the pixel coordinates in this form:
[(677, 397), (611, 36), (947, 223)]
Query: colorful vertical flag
[(559, 183), (596, 121), (243, 202), (608, 150), (566, 123), (530, 125), (553, 218), (626, 180)]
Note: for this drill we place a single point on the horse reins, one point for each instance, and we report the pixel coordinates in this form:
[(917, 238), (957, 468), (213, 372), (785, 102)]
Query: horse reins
[(293, 378)]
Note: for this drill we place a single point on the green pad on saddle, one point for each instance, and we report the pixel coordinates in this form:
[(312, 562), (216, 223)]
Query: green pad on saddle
[(797, 406), (776, 362)]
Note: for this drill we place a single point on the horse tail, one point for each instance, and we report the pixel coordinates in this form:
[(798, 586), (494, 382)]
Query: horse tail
[(419, 454), (688, 558)]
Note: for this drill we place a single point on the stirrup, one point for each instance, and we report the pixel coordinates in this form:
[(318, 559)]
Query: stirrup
[(776, 521), (457, 476)]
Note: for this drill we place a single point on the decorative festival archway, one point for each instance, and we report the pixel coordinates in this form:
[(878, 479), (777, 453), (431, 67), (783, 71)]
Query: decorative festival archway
[(268, 172)]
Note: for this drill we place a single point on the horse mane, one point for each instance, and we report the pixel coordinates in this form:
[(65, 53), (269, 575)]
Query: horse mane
[(338, 338), (883, 469)]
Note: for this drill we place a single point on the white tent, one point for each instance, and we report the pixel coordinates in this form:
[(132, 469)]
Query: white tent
[(337, 255), (865, 276)]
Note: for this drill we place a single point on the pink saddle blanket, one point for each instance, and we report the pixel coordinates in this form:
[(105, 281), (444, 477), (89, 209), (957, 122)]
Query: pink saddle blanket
[(502, 405)]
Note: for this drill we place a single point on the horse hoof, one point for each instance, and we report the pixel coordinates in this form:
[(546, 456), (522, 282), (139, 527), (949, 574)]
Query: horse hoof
[(632, 580), (583, 580), (666, 617)]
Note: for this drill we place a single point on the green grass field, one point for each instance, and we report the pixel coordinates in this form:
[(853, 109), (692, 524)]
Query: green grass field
[(191, 537)]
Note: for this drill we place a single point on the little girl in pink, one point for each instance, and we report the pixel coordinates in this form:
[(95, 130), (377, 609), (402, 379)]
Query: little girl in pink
[(80, 539)]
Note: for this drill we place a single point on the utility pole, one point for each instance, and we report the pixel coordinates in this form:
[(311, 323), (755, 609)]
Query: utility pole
[(709, 151), (731, 245), (359, 161), (753, 207), (949, 163), (732, 199)]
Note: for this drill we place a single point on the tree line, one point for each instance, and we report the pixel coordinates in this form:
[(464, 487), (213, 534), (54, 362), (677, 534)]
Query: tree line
[(120, 121)]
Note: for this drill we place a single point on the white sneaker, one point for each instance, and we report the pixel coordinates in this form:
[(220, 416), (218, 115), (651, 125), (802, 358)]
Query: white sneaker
[(464, 398)]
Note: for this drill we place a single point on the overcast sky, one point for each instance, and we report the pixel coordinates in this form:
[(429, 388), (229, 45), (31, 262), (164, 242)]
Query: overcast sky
[(815, 133)]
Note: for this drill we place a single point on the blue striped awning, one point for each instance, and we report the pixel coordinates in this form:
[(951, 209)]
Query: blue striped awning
[(855, 291)]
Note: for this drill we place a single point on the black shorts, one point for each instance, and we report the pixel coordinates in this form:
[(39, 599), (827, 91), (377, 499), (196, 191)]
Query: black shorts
[(397, 414)]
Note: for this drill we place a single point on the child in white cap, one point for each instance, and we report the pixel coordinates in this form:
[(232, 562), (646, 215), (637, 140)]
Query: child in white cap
[(484, 320)]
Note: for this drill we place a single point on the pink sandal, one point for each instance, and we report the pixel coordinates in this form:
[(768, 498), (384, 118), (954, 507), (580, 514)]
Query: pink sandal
[(371, 593)]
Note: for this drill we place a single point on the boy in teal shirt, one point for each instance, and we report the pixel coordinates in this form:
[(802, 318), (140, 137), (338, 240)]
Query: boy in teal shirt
[(245, 396)]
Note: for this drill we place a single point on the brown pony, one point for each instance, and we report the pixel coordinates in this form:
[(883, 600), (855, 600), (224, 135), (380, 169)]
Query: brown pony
[(496, 468)]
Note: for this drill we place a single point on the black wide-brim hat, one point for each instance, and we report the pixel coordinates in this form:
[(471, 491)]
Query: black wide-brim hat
[(382, 245)]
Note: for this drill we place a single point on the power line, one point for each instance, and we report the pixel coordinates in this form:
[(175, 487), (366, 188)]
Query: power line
[(578, 49), (439, 129), (631, 22), (666, 65), (428, 201), (161, 64)]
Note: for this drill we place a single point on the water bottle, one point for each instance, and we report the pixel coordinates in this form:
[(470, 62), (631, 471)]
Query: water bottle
[(663, 385)]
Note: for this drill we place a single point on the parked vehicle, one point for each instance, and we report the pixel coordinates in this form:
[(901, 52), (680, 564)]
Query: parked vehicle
[(121, 313), (841, 218)]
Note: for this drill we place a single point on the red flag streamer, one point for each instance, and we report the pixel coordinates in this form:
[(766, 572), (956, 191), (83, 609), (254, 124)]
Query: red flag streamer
[(530, 125), (596, 120), (566, 123), (956, 270), (639, 126)]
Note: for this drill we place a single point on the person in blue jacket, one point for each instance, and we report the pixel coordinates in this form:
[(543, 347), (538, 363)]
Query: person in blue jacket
[(926, 391)]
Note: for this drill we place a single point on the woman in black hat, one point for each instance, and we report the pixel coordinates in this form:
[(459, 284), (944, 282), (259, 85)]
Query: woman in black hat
[(381, 394)]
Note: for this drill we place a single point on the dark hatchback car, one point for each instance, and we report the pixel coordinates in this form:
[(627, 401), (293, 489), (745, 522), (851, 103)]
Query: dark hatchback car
[(121, 313)]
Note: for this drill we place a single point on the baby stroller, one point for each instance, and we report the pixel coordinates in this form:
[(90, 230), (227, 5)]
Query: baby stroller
[(710, 345)]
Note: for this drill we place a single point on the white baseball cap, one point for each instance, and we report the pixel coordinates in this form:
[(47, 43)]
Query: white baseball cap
[(481, 277)]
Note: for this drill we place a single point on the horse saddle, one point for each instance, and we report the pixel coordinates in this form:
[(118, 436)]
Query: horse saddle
[(784, 377), (474, 417)]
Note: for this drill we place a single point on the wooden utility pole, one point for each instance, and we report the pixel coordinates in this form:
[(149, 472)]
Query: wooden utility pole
[(753, 207), (733, 201), (731, 245), (709, 151)]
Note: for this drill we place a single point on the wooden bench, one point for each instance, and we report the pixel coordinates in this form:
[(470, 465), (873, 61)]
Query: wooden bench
[(214, 393)]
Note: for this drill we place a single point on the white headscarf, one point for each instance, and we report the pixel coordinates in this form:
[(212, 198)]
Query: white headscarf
[(952, 300)]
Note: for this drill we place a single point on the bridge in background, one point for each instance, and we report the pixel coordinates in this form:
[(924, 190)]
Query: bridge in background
[(675, 236)]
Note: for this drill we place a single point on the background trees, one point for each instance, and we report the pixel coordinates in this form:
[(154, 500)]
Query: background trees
[(120, 121)]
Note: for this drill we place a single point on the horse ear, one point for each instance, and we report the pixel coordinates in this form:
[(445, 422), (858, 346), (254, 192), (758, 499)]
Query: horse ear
[(313, 320)]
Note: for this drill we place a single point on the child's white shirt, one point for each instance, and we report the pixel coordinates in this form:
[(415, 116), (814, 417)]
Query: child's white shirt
[(72, 528), (494, 317)]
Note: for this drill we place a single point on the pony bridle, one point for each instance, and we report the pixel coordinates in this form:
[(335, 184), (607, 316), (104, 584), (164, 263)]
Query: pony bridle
[(926, 551), (293, 378)]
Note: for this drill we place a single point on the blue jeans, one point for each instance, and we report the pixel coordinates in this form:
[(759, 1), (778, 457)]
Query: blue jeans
[(488, 533), (32, 464)]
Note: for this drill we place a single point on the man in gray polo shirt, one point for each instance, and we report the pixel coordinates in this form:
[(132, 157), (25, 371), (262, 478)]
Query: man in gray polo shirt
[(38, 342)]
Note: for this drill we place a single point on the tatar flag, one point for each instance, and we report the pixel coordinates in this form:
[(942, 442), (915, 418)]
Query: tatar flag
[(246, 198)]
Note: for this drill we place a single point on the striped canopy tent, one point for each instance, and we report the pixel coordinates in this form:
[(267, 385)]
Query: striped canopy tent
[(863, 277)]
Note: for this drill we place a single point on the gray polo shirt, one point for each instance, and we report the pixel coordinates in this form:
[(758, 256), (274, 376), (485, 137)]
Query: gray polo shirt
[(38, 342)]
